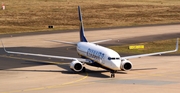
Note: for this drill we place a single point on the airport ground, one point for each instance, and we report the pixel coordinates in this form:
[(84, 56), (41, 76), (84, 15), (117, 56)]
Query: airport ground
[(27, 74)]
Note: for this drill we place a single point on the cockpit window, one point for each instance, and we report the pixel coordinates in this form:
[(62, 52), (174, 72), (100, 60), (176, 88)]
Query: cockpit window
[(113, 58)]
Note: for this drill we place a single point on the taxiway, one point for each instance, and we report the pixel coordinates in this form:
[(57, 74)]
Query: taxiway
[(27, 74)]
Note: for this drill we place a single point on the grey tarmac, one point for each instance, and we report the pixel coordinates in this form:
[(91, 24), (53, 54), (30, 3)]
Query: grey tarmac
[(27, 74)]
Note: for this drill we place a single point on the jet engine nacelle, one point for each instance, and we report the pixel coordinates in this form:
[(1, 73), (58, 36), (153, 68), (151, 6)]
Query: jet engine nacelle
[(76, 66), (126, 65)]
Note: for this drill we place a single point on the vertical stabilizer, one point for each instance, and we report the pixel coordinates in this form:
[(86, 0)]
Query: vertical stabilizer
[(82, 36)]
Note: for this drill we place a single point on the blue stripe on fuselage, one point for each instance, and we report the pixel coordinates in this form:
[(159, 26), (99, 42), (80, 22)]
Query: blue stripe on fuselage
[(95, 54)]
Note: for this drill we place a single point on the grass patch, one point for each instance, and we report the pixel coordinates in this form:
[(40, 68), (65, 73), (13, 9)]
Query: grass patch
[(36, 15), (150, 47)]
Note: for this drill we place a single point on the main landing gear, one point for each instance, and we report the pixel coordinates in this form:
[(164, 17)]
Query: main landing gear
[(84, 70), (113, 74)]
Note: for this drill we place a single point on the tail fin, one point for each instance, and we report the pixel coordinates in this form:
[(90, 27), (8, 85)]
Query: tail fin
[(82, 36)]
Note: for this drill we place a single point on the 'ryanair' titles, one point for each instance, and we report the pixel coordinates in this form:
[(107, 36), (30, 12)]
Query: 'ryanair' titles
[(95, 54)]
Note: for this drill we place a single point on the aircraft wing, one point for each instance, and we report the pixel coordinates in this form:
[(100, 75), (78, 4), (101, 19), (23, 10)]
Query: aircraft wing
[(48, 56), (100, 41), (151, 54)]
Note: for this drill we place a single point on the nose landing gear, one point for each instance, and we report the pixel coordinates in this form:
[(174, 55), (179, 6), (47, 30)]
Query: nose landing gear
[(112, 75)]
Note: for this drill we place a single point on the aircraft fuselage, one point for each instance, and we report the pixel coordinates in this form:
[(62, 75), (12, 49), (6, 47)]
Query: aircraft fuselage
[(103, 56)]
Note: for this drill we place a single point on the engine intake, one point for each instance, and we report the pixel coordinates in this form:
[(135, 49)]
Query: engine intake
[(126, 65), (76, 66)]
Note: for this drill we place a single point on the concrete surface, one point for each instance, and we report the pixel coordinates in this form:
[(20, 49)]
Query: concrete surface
[(26, 74)]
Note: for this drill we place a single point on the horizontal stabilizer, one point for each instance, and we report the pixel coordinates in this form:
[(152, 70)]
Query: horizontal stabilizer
[(64, 42), (100, 41)]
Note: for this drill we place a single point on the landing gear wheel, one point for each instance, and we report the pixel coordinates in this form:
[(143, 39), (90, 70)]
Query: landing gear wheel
[(84, 69), (112, 75)]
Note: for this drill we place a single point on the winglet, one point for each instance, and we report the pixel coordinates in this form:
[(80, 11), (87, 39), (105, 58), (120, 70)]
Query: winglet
[(4, 47), (177, 44)]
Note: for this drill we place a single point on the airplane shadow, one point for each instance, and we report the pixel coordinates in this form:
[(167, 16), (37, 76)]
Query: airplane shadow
[(91, 73), (35, 70), (65, 67), (143, 69), (67, 70)]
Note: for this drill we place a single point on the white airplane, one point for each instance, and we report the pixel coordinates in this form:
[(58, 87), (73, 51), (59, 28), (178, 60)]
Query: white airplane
[(95, 55)]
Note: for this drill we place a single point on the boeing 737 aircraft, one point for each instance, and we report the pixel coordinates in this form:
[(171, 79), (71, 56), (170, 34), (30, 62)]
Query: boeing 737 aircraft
[(95, 55)]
